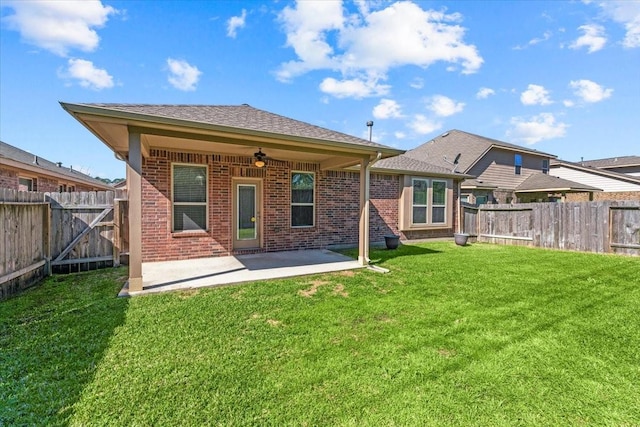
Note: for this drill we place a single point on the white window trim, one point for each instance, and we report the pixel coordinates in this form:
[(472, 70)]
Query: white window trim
[(433, 205), (291, 204), (30, 179), (205, 203), (413, 205)]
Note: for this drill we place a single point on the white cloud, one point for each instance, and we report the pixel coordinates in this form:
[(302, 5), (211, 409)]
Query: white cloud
[(593, 38), (353, 88), (417, 83), (59, 26), (182, 75), (399, 135), (371, 42), (88, 75), (386, 109), (626, 13), (485, 92), (236, 22), (535, 95), (546, 36), (537, 128), (590, 91), (568, 103), (307, 26), (422, 125), (443, 106)]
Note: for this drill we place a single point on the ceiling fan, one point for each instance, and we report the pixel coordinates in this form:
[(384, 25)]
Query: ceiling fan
[(260, 158)]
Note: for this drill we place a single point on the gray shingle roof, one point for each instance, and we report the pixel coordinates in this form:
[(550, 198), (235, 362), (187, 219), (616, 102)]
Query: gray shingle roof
[(543, 182), (18, 155), (470, 146), (475, 183), (613, 162), (410, 164), (240, 117)]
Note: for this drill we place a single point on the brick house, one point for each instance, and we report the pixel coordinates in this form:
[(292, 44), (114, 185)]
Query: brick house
[(220, 180), (24, 171)]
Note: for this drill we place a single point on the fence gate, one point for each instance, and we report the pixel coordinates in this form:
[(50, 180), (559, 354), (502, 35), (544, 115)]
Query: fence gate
[(85, 230)]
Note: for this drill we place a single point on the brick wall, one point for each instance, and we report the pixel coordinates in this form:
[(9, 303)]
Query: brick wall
[(337, 196), (383, 212), (8, 179), (600, 196)]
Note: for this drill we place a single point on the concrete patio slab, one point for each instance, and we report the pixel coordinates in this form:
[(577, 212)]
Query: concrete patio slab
[(203, 272)]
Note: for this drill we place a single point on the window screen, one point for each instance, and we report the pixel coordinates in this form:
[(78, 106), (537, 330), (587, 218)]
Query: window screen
[(302, 199), (189, 197)]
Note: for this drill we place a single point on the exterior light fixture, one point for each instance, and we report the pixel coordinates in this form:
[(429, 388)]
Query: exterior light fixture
[(260, 158)]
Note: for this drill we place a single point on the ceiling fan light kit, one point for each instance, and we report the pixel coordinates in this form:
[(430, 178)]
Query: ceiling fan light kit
[(260, 158)]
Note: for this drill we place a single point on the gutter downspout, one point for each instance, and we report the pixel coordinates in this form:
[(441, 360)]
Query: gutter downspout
[(365, 174), (459, 225)]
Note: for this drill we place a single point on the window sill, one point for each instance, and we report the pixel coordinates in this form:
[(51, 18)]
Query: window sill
[(426, 227), (181, 234)]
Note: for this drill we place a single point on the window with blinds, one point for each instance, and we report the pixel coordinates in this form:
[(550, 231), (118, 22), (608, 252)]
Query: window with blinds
[(189, 193), (302, 199)]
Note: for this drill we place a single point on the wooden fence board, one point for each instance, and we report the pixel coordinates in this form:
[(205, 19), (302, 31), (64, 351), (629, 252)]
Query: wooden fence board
[(601, 227), (39, 226), (23, 246)]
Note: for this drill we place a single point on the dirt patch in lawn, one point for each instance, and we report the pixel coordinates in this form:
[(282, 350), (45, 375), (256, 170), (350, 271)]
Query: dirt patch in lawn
[(308, 293), (338, 290)]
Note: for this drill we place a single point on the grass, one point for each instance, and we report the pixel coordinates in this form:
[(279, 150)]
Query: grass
[(477, 335)]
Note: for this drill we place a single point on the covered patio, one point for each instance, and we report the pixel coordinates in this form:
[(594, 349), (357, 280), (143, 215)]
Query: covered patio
[(200, 185), (164, 276)]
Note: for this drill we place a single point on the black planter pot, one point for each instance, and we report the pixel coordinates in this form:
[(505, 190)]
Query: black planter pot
[(392, 241), (461, 238)]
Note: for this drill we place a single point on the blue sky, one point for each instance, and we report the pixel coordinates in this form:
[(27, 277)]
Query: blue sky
[(559, 77)]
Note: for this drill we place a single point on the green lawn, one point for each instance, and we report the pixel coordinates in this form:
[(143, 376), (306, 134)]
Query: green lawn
[(465, 336)]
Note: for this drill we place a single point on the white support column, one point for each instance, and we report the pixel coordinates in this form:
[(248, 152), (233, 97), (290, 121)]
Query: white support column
[(363, 238), (365, 181), (134, 184)]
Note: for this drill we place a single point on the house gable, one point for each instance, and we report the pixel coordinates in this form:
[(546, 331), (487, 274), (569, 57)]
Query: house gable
[(498, 167)]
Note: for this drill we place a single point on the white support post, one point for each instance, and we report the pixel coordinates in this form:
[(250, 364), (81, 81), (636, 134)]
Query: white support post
[(134, 184)]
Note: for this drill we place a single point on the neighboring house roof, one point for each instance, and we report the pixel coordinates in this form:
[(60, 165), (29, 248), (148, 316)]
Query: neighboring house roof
[(238, 117), (30, 161), (540, 182), (442, 150), (595, 171), (612, 162), (403, 163), (477, 184)]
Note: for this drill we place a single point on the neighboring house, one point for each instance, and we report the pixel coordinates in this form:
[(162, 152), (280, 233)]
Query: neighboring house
[(218, 180), (24, 171), (614, 185), (628, 165), (501, 171)]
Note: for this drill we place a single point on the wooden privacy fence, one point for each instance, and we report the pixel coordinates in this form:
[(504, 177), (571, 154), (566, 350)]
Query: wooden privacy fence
[(602, 227), (24, 242), (59, 232)]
